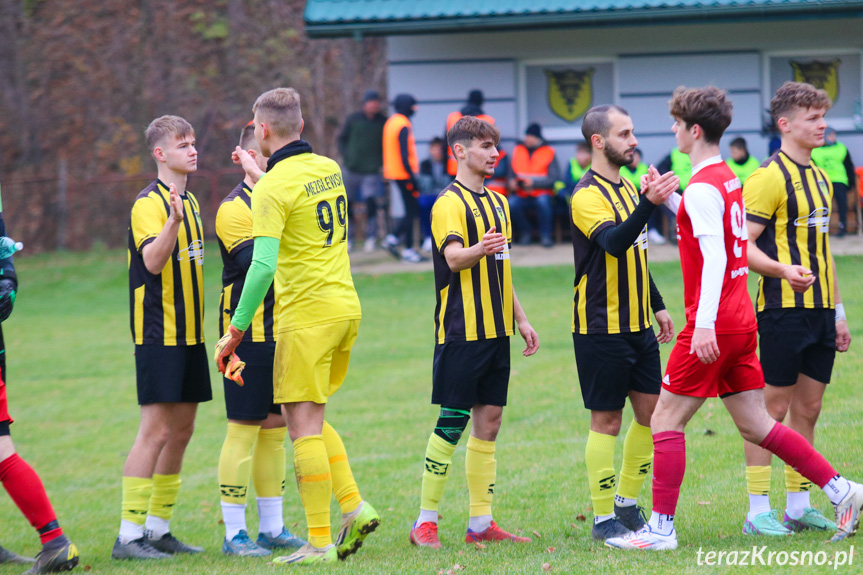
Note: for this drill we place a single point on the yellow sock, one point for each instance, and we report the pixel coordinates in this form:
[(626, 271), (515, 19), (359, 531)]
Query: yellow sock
[(599, 459), (235, 462), (481, 469), (268, 462), (136, 499), (794, 482), (758, 479), (637, 458), (344, 487), (316, 485), (166, 491), (437, 464)]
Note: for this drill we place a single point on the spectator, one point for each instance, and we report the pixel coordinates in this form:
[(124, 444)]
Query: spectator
[(534, 173), (833, 157), (633, 173), (361, 146), (498, 181), (578, 165), (401, 167), (473, 107), (433, 179), (679, 163), (740, 162)]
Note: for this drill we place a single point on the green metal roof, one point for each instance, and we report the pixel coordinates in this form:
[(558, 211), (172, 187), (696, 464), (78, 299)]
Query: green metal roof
[(386, 17)]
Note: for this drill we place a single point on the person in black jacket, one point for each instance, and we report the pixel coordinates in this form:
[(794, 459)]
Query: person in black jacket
[(361, 146)]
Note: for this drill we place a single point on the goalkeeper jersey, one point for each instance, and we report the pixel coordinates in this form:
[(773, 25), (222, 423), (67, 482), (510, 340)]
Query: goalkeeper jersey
[(302, 201)]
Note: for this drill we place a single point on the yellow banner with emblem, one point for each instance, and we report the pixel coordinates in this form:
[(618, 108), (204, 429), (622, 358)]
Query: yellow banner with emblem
[(822, 75), (570, 92)]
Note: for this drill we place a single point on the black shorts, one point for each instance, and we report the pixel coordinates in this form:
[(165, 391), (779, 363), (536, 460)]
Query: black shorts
[(795, 341), (611, 365), (254, 400), (468, 373), (172, 374)]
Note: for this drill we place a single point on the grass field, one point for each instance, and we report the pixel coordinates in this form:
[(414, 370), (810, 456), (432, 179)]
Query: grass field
[(72, 391)]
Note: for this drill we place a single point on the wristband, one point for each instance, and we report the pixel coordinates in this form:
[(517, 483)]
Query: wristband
[(840, 312)]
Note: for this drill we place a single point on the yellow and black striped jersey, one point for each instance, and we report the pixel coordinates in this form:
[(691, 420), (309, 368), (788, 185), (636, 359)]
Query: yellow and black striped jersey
[(234, 230), (476, 303), (166, 308), (793, 202), (612, 295)]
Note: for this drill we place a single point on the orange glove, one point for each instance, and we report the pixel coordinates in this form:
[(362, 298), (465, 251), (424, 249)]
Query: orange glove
[(227, 362)]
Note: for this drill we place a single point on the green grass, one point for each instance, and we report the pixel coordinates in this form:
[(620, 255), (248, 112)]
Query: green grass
[(72, 391)]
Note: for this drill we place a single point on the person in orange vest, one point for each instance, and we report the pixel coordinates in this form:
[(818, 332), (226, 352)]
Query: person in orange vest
[(401, 168), (534, 173), (473, 107), (433, 179), (498, 181)]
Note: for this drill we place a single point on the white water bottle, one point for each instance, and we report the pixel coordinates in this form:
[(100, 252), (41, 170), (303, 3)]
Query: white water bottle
[(8, 246)]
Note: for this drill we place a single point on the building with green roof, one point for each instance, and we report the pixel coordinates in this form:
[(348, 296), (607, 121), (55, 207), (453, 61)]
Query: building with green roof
[(547, 61)]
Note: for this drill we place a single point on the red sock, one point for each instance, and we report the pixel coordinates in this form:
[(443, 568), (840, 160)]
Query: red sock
[(669, 466), (793, 449), (26, 490)]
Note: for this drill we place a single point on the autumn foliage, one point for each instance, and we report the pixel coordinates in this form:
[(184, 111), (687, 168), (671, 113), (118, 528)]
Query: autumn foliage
[(79, 82)]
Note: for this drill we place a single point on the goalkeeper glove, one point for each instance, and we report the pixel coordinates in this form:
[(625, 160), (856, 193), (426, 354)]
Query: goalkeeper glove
[(7, 297), (227, 362)]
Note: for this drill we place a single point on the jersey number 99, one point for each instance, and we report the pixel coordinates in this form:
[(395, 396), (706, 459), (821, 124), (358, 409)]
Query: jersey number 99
[(327, 219)]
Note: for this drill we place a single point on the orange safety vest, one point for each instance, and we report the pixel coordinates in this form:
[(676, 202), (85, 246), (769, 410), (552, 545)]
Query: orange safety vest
[(498, 184), (451, 163), (533, 165), (393, 167)]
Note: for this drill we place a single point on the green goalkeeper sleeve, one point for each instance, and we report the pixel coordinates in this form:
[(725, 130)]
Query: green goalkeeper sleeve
[(258, 280)]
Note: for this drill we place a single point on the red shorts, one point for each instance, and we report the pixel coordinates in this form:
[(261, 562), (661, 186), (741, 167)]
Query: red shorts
[(736, 370), (4, 406)]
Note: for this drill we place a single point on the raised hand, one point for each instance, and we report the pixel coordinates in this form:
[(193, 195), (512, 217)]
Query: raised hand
[(242, 158), (176, 202)]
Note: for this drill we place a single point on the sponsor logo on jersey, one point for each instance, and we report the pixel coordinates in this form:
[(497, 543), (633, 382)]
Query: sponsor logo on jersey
[(732, 185), (195, 253), (641, 240), (502, 255), (739, 272), (819, 218), (666, 380)]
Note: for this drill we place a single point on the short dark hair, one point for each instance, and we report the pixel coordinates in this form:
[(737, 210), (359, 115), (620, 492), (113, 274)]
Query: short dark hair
[(797, 95), (582, 145), (739, 143), (596, 120), (247, 136), (436, 142), (472, 128), (707, 107)]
